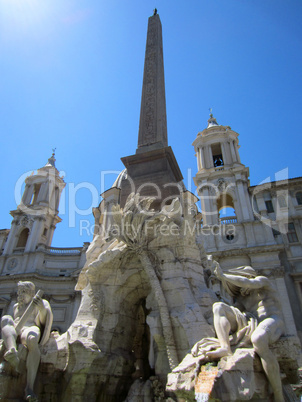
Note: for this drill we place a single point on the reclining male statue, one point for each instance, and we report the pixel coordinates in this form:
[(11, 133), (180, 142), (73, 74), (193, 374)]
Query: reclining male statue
[(31, 325), (255, 318)]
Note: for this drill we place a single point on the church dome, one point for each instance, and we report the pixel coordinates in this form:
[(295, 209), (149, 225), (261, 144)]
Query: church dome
[(212, 122)]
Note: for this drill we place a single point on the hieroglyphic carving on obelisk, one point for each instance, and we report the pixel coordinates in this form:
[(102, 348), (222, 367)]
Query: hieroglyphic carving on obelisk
[(153, 120)]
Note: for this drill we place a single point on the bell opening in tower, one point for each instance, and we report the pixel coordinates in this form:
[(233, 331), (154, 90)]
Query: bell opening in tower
[(217, 155), (35, 193), (226, 209)]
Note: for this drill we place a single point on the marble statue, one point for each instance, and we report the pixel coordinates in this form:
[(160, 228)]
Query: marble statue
[(30, 326), (255, 318)]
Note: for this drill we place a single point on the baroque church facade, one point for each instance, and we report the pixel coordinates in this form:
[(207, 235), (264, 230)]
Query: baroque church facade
[(26, 253), (264, 228)]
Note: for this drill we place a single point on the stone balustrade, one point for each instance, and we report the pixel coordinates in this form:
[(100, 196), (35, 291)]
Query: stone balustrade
[(64, 251), (228, 220)]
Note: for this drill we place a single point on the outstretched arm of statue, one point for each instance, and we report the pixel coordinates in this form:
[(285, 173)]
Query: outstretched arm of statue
[(251, 283), (241, 281)]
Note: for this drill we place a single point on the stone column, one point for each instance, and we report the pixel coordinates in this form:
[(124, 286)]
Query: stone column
[(201, 161), (28, 192), (43, 192), (52, 228), (249, 233), (243, 203), (291, 205), (233, 153), (237, 153), (224, 153), (286, 308), (25, 194), (210, 163), (35, 234), (266, 221), (8, 249), (52, 195), (208, 206)]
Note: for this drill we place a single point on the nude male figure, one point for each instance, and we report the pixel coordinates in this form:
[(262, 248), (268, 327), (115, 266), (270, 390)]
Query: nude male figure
[(40, 320), (256, 295)]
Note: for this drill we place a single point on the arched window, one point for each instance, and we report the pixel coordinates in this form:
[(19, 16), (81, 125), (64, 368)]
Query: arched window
[(217, 155), (23, 238), (299, 197), (226, 211), (226, 208)]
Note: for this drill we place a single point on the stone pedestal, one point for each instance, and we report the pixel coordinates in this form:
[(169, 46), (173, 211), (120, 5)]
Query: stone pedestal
[(238, 377), (153, 173)]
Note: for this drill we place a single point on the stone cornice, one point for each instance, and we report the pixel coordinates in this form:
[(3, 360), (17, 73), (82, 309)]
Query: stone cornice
[(277, 185), (219, 130), (4, 231), (69, 298), (276, 272), (31, 276), (247, 250)]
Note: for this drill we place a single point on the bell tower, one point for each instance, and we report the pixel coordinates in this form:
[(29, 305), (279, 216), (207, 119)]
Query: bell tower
[(222, 179), (36, 217)]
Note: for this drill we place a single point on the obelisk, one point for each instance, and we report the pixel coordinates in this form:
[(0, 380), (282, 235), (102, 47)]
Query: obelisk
[(153, 122), (153, 170)]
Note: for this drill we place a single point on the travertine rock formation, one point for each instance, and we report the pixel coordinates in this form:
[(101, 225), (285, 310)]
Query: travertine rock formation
[(145, 299)]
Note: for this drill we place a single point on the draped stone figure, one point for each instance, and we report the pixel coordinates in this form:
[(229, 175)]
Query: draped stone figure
[(255, 318), (30, 326)]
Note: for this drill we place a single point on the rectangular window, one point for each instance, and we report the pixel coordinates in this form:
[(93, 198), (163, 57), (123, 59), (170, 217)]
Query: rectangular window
[(276, 232), (299, 198), (291, 233), (269, 206)]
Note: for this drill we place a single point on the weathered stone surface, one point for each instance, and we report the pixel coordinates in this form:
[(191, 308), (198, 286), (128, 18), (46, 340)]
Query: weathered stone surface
[(236, 377), (181, 381), (119, 338), (146, 391), (288, 352), (240, 377)]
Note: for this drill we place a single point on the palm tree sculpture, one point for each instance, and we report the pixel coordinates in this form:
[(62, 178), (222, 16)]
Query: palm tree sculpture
[(137, 225)]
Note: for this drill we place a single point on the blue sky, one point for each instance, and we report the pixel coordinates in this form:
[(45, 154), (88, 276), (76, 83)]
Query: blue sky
[(71, 75)]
